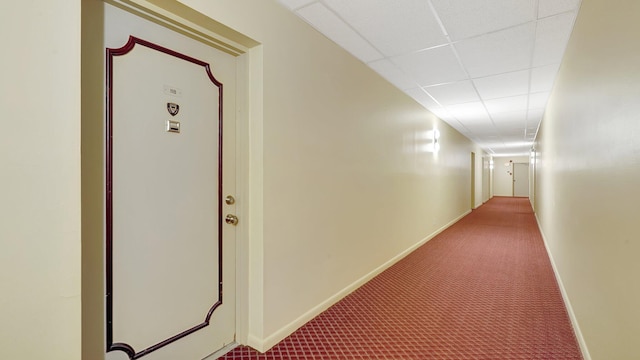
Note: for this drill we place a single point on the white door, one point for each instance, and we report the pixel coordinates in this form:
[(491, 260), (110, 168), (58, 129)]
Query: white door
[(170, 263), (520, 179)]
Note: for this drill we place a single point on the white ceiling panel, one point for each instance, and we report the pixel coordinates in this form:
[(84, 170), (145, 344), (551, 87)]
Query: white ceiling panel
[(511, 117), (553, 7), (431, 67), (482, 128), (335, 29), (472, 112), (465, 19), (422, 97), (532, 127), (552, 36), (516, 135), (443, 114), (538, 100), (533, 120), (453, 93), (510, 104), (394, 27), (394, 75), (534, 116), (503, 85), (511, 128), (496, 143), (294, 4), (542, 78), (487, 67), (499, 52)]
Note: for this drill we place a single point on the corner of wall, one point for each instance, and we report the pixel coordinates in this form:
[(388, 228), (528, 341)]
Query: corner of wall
[(253, 183)]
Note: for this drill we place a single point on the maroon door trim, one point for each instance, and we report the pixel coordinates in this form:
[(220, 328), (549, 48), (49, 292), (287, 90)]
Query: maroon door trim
[(111, 53)]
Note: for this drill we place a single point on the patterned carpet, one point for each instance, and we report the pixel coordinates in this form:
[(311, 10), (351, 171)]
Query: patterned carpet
[(482, 289)]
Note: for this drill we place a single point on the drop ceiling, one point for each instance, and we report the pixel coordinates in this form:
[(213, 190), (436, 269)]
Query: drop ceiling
[(486, 67)]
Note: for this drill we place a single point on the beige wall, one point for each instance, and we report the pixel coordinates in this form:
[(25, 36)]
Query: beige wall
[(502, 180), (589, 176), (345, 188), (40, 180)]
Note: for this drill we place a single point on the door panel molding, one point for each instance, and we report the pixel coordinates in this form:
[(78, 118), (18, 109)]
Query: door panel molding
[(178, 17), (122, 346)]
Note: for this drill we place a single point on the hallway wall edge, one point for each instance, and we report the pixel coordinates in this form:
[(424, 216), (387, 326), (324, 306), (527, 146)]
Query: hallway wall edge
[(574, 321), (271, 340)]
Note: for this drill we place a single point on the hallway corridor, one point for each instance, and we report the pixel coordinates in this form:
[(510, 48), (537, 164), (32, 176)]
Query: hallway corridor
[(482, 289)]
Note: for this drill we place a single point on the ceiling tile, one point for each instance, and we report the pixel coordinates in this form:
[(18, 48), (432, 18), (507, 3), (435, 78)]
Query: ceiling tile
[(294, 4), (496, 143), (509, 104), (453, 93), (499, 52), (535, 113), (335, 29), (464, 19), (443, 114), (510, 129), (553, 7), (510, 118), (474, 111), (534, 116), (394, 75), (538, 100), (552, 35), (422, 98), (495, 44), (503, 85), (542, 78), (431, 67), (393, 27), (512, 147), (512, 134), (481, 129)]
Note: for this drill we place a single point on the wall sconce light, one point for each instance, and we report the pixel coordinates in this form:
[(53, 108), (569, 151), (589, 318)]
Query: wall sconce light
[(434, 137)]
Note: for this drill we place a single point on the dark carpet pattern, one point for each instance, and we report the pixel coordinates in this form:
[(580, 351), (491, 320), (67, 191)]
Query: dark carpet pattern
[(482, 289)]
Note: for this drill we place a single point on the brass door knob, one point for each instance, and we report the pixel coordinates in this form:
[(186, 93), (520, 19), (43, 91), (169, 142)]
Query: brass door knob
[(231, 219)]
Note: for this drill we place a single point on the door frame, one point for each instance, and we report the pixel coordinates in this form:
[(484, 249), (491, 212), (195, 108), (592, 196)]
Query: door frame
[(473, 180), (182, 19)]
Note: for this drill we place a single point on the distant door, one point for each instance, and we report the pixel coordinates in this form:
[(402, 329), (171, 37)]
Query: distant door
[(486, 170), (170, 263), (520, 180), (473, 180)]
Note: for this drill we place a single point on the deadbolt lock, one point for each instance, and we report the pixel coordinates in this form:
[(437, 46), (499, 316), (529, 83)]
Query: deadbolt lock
[(229, 200), (231, 219)]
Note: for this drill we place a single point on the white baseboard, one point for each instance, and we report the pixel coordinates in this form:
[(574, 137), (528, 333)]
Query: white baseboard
[(565, 297), (256, 343), (288, 329)]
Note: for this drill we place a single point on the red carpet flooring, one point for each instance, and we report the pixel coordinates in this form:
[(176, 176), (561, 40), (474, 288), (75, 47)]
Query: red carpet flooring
[(482, 289)]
